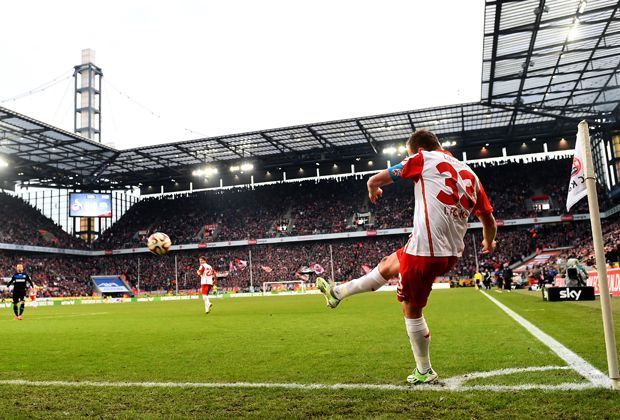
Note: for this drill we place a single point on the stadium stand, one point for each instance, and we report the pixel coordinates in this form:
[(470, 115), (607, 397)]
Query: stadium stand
[(57, 275), (511, 188), (328, 206), (289, 209), (241, 213), (25, 225), (65, 275), (310, 207)]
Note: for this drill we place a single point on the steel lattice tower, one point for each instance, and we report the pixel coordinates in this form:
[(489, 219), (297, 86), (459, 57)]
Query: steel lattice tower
[(87, 97)]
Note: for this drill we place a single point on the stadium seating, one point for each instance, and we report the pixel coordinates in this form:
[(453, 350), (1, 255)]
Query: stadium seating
[(69, 275), (510, 188), (59, 275), (292, 209), (24, 224), (327, 206), (305, 208)]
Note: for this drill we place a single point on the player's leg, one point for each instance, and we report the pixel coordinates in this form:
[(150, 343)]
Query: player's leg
[(500, 284), (413, 291), (420, 340), (16, 306), (22, 305), (417, 277), (205, 296), (387, 269), (377, 277)]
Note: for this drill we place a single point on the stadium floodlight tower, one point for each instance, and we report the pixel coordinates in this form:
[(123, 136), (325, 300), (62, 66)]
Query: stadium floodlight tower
[(87, 97), (87, 119)]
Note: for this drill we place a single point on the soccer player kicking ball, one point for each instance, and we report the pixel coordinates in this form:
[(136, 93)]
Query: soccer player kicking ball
[(205, 271), (20, 282), (446, 192)]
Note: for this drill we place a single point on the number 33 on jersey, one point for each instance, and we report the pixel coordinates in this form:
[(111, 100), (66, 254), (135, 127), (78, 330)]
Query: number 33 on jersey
[(446, 192)]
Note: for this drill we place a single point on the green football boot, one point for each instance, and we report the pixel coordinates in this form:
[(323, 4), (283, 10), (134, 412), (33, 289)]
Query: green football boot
[(422, 378), (326, 288)]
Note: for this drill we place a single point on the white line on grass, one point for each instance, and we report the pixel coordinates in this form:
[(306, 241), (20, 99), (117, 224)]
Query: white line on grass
[(35, 317), (454, 384), (32, 318), (458, 381), (585, 369)]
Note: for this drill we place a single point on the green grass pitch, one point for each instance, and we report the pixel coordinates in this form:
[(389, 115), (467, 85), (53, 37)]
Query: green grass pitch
[(297, 339)]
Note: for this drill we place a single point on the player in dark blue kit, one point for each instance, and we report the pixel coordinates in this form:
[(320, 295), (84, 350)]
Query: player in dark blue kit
[(20, 282)]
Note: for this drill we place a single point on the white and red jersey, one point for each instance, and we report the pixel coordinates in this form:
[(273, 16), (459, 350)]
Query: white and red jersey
[(206, 274), (446, 192)]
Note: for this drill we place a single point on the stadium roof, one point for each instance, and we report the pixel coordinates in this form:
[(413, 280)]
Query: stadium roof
[(39, 150), (558, 55), (467, 124), (546, 64)]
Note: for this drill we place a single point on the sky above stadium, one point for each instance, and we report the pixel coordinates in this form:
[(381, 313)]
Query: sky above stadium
[(186, 69)]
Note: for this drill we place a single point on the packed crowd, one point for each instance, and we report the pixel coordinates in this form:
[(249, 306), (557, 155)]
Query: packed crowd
[(291, 209), (611, 238), (241, 213), (516, 244), (510, 188), (63, 275), (570, 240), (69, 275), (55, 275), (24, 224), (328, 206)]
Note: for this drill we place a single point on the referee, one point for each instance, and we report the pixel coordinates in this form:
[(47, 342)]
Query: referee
[(20, 281)]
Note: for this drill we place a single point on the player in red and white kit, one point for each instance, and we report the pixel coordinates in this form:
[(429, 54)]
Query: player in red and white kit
[(206, 273), (446, 192), (33, 296)]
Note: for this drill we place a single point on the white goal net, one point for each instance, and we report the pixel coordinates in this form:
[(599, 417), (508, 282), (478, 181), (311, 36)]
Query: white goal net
[(293, 286)]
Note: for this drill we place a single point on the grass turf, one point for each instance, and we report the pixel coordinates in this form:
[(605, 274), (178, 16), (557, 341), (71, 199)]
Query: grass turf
[(577, 325), (293, 339)]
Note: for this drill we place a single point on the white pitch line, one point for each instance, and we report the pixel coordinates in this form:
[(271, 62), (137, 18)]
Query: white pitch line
[(458, 381), (35, 318), (32, 318), (585, 369), (454, 384), (510, 371)]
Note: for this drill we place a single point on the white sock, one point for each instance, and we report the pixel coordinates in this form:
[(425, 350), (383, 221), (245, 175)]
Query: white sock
[(420, 338), (367, 283), (206, 299)]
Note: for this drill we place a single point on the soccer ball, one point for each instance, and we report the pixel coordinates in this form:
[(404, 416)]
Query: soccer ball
[(159, 243)]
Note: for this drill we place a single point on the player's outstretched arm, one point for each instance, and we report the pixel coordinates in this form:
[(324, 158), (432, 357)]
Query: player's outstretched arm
[(376, 182), (489, 230)]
